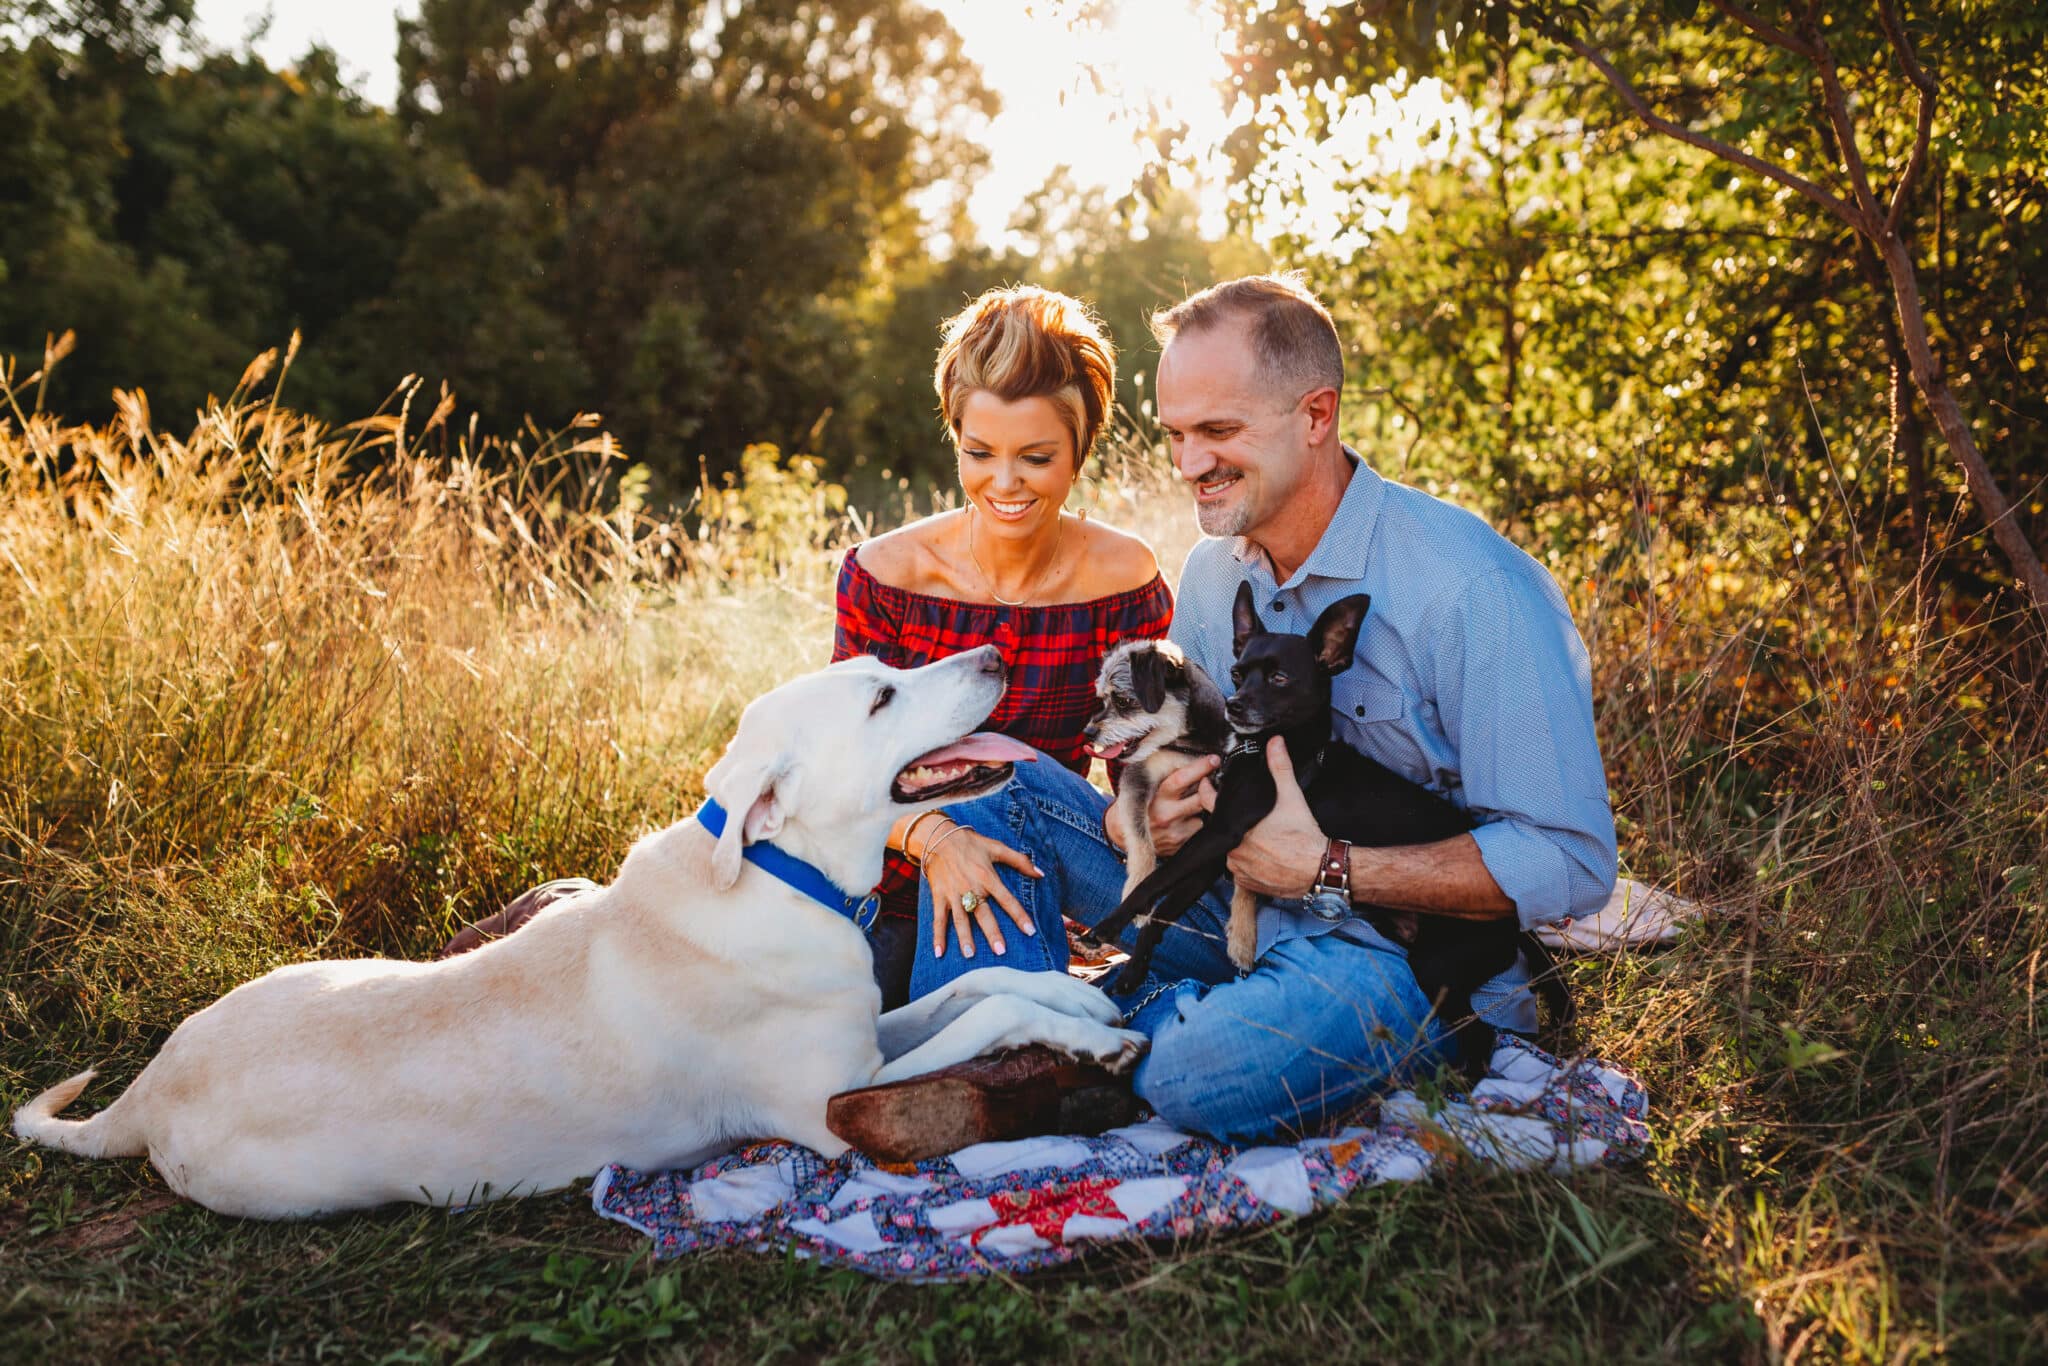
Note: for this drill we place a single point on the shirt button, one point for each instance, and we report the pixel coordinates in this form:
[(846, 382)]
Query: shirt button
[(1359, 710), (1278, 606)]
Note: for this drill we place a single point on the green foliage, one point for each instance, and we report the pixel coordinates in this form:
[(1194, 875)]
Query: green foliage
[(180, 222), (726, 178), (271, 689), (658, 211), (598, 1307), (707, 248), (781, 512), (1586, 315), (472, 299), (118, 33)]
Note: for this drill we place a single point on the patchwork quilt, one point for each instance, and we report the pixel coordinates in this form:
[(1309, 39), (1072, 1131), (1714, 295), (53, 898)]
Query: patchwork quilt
[(1040, 1202)]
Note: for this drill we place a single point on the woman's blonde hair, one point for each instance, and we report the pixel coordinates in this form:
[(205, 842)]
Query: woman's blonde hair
[(1026, 342)]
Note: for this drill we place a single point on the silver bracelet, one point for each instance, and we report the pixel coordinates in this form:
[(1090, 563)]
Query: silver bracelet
[(942, 838), (919, 819)]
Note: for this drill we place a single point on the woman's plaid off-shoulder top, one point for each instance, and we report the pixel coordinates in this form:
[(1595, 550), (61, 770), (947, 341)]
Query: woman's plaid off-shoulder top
[(1053, 651)]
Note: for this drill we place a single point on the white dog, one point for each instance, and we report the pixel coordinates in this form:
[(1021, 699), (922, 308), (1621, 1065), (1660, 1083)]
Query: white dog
[(700, 999)]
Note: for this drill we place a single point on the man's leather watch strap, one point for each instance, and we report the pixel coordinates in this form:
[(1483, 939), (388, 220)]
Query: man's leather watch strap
[(1335, 874)]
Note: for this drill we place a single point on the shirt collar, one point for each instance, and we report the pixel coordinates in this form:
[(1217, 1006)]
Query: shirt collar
[(1340, 553)]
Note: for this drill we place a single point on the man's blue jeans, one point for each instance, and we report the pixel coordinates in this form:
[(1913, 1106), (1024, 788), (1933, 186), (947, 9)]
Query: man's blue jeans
[(1317, 1026)]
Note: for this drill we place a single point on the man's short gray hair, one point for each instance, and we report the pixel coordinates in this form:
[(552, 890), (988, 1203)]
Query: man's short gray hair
[(1291, 332)]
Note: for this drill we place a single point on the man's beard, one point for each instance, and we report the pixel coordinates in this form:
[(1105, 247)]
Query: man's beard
[(1226, 519)]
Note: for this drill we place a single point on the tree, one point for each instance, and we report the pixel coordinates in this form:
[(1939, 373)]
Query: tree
[(1781, 108), (732, 178), (542, 85), (182, 222), (470, 303), (707, 249), (1531, 298), (107, 33)]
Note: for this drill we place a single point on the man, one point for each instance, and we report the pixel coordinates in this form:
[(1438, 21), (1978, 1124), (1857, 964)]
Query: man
[(1469, 677)]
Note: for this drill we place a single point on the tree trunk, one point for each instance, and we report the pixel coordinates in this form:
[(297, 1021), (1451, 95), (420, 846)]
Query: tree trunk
[(1908, 433), (1999, 514), (1909, 443)]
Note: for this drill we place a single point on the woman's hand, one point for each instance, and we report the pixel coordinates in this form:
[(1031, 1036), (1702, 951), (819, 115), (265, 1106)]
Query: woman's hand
[(963, 862)]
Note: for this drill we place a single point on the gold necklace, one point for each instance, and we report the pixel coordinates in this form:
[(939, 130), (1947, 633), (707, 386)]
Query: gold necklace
[(988, 579)]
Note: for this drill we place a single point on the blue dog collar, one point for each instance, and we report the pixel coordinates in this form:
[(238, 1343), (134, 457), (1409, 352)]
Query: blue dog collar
[(804, 877)]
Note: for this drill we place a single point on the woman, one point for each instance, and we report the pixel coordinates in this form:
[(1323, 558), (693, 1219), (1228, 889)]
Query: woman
[(1025, 378)]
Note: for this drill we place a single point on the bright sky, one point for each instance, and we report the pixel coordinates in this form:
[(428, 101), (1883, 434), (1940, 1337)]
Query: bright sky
[(1064, 95), (1053, 112)]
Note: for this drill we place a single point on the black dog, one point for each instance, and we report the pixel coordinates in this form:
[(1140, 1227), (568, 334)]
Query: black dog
[(1283, 688)]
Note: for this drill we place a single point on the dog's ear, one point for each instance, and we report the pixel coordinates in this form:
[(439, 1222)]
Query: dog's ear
[(1148, 678), (756, 797), (1334, 637), (1244, 619)]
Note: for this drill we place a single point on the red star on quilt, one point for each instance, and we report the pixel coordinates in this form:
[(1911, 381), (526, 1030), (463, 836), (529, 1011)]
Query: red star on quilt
[(1048, 1208)]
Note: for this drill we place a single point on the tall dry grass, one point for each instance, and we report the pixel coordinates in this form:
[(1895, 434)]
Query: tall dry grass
[(280, 689), (1850, 1053), (270, 690)]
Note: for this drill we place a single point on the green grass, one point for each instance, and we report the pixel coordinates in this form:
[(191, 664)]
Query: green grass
[(1534, 1268), (269, 693)]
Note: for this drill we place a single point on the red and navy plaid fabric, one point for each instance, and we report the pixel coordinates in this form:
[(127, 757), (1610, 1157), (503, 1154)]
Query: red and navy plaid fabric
[(1054, 653)]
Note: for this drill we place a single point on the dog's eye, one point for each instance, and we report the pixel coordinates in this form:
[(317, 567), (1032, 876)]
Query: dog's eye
[(1236, 676), (1123, 699), (1279, 679), (883, 698)]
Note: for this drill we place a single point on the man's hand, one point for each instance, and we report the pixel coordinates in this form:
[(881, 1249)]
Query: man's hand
[(1180, 803), (1281, 855)]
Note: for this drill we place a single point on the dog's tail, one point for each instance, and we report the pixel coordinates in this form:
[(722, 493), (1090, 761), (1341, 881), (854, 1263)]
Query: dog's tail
[(110, 1133)]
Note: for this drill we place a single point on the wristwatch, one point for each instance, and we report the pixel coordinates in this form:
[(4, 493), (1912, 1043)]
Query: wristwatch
[(1329, 896)]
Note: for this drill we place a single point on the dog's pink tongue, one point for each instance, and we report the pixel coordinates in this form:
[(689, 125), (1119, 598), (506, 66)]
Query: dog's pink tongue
[(982, 747)]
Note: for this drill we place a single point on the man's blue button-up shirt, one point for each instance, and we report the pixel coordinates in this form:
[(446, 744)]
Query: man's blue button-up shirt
[(1469, 679)]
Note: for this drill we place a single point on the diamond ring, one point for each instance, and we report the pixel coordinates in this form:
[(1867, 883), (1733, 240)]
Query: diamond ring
[(969, 901)]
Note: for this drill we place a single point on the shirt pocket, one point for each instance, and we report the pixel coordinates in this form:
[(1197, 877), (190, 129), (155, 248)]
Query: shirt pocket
[(1361, 698), (1374, 717)]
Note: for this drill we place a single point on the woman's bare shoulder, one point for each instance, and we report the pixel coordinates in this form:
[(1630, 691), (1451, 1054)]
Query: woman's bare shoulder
[(905, 558), (1119, 561)]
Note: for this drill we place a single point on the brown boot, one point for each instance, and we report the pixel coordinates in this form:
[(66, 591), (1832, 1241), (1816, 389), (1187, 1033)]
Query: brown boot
[(1022, 1094), (517, 912)]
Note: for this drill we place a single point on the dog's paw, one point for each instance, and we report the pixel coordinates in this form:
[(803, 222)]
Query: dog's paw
[(1115, 1049), (1056, 991), (1072, 996)]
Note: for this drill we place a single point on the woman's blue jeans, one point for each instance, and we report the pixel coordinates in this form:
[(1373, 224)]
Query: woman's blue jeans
[(1317, 1026)]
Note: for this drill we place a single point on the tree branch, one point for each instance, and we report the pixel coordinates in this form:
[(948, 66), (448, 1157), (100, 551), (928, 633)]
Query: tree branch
[(1848, 213), (1895, 30), (1776, 37), (1836, 101)]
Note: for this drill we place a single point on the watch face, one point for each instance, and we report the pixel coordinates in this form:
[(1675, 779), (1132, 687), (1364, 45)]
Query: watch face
[(1325, 904)]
